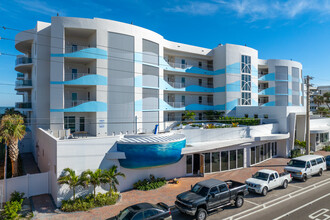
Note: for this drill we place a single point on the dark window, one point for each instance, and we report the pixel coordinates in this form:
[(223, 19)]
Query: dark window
[(189, 164), (253, 155), (319, 160), (200, 99), (246, 115), (224, 160), (223, 188), (214, 190), (265, 116), (276, 175), (257, 154), (150, 213), (138, 216), (255, 116), (207, 163), (200, 64), (200, 116), (200, 82), (233, 159), (215, 161), (70, 123), (240, 158), (272, 177), (313, 162)]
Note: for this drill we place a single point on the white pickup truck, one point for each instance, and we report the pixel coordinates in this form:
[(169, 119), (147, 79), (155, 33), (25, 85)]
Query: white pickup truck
[(265, 180)]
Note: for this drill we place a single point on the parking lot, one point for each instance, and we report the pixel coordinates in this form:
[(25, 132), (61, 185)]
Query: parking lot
[(279, 202)]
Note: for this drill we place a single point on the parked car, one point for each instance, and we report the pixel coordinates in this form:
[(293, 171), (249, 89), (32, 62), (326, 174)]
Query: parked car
[(327, 159), (265, 180), (305, 166), (145, 211), (209, 195)]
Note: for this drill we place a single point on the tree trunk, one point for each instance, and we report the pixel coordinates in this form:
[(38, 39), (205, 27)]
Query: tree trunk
[(94, 193), (13, 155), (74, 194)]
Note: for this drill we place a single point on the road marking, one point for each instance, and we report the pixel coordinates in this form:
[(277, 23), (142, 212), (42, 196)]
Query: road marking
[(307, 204), (282, 199), (296, 186), (251, 202)]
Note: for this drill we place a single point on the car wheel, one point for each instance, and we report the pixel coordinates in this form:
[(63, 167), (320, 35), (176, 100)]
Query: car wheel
[(320, 172), (285, 184), (304, 179), (239, 201), (264, 191), (201, 214)]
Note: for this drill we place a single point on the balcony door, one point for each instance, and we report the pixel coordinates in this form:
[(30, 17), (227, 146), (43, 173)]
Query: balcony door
[(74, 73), (82, 123), (74, 97)]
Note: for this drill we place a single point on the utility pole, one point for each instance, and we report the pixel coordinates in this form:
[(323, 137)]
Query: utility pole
[(5, 179), (308, 133)]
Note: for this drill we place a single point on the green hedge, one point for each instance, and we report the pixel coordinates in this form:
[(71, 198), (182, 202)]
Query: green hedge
[(86, 203), (300, 143), (295, 153), (240, 121), (326, 148), (149, 184)]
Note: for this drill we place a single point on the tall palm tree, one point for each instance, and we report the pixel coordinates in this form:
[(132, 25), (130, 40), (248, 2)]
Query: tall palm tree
[(93, 178), (318, 100), (326, 97), (189, 115), (12, 129), (110, 176), (70, 178)]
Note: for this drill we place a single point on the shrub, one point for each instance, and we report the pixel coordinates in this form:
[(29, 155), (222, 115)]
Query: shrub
[(149, 184), (86, 203), (11, 209), (241, 121), (295, 153), (300, 143), (16, 196), (326, 148)]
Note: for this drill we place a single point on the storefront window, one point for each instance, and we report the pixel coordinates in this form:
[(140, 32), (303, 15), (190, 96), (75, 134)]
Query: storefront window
[(224, 160), (233, 159), (207, 163), (240, 158), (189, 164), (257, 154), (253, 155), (215, 161)]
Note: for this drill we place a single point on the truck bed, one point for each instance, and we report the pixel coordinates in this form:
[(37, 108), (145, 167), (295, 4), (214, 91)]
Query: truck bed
[(234, 184), (283, 174)]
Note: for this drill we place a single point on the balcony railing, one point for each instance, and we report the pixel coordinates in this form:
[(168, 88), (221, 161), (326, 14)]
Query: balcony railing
[(73, 76), (23, 60), (23, 105), (20, 75), (186, 65), (261, 89), (20, 83), (177, 104), (177, 85), (75, 48), (73, 103)]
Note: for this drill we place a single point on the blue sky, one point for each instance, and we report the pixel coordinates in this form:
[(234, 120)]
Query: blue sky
[(293, 29)]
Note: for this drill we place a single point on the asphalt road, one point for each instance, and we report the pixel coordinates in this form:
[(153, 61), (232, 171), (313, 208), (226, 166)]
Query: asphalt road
[(301, 200)]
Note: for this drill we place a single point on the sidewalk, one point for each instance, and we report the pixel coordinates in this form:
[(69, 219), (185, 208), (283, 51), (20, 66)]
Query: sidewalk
[(168, 193)]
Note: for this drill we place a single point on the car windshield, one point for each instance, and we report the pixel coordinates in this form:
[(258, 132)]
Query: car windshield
[(200, 190), (297, 163), (261, 176), (126, 214), (327, 158)]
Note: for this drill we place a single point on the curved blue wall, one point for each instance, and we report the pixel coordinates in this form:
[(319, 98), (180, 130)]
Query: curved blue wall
[(91, 79), (92, 106), (93, 53), (150, 155)]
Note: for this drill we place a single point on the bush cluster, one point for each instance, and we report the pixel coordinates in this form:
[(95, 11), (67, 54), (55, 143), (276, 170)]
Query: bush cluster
[(149, 184), (86, 203), (13, 206), (295, 153), (241, 121), (300, 143), (326, 148)]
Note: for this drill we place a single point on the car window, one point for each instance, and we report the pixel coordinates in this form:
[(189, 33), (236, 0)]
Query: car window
[(201, 190), (150, 213), (297, 163), (126, 214), (308, 164), (138, 216), (313, 162), (271, 177), (214, 190), (276, 175), (223, 188), (319, 160), (328, 158), (261, 176)]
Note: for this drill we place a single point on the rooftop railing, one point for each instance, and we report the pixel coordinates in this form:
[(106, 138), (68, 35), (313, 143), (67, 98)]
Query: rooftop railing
[(186, 65)]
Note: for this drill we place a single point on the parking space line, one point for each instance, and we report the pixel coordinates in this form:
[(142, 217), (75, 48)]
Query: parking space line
[(307, 204), (296, 186), (251, 202)]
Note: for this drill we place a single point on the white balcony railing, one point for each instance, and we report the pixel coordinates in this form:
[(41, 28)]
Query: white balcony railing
[(186, 66), (73, 103), (73, 76), (177, 104), (75, 48), (177, 85)]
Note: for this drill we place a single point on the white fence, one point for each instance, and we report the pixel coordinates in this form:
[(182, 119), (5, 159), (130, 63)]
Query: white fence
[(30, 185)]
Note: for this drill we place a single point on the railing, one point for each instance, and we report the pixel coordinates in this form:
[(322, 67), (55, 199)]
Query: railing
[(23, 60), (75, 48), (23, 105), (209, 85), (209, 103), (177, 85), (186, 65), (20, 83), (261, 74), (73, 103), (20, 75), (177, 104), (73, 76), (261, 89)]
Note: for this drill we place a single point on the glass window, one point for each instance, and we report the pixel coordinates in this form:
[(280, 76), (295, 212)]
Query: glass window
[(200, 82), (126, 214), (265, 151), (246, 64), (246, 98), (240, 158), (313, 162), (215, 162), (233, 159), (319, 160), (189, 163), (261, 152), (224, 160), (138, 216), (150, 213), (223, 188), (276, 175), (253, 155), (214, 190), (70, 123), (207, 163), (246, 82), (268, 150), (200, 99), (257, 154)]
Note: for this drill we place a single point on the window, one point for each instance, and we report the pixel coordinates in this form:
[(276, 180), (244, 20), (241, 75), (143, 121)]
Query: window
[(200, 116), (200, 64), (313, 162), (138, 216), (74, 73), (74, 48), (233, 159), (183, 81), (207, 163), (200, 82), (224, 160), (240, 158), (215, 161), (255, 116), (272, 177), (223, 188), (246, 98), (70, 123), (266, 116), (150, 213), (200, 99), (189, 164), (257, 154), (276, 175), (246, 82), (183, 100), (82, 124), (319, 160), (246, 64), (253, 155), (214, 190), (246, 115)]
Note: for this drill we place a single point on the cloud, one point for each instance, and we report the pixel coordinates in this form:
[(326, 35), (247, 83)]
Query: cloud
[(39, 7), (255, 9), (195, 8)]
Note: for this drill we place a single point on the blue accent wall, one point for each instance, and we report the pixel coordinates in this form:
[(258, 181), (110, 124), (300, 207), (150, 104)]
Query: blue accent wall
[(268, 91), (93, 53), (272, 103), (234, 86), (268, 77), (91, 79), (139, 156), (92, 106)]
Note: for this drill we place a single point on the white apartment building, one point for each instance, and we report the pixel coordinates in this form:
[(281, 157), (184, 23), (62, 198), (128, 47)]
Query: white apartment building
[(112, 83)]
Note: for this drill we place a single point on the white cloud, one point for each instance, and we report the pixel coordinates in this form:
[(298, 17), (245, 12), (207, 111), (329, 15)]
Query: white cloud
[(195, 8), (39, 7)]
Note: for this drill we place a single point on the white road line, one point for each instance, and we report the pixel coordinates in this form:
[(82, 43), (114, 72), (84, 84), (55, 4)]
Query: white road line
[(251, 202), (296, 186), (282, 199), (307, 204)]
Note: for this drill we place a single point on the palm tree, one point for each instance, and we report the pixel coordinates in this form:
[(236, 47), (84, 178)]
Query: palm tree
[(189, 115), (318, 100), (94, 178), (326, 97), (70, 178), (110, 176), (12, 129)]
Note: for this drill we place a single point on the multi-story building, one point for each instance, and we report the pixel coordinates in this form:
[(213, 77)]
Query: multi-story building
[(101, 79)]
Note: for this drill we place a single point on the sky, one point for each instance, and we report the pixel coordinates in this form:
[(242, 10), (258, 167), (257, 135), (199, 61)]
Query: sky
[(292, 29)]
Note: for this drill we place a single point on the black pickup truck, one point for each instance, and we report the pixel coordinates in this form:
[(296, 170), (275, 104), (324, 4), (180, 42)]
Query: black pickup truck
[(209, 195)]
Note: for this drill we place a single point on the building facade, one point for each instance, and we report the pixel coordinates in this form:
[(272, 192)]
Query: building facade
[(113, 82)]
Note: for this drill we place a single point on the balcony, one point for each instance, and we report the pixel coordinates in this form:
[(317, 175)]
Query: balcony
[(24, 40), (23, 60), (74, 103), (177, 85), (75, 48), (74, 76), (20, 75), (187, 66), (23, 84), (177, 104), (23, 64), (23, 105)]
